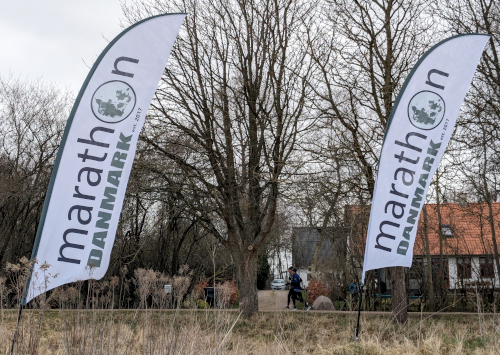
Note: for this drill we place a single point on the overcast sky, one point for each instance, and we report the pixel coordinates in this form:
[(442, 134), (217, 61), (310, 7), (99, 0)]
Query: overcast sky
[(53, 39)]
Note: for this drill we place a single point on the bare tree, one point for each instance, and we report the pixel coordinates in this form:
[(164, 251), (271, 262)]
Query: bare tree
[(234, 94), (31, 116), (361, 61)]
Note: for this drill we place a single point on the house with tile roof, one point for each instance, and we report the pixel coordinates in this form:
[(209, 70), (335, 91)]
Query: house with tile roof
[(461, 235), (460, 244)]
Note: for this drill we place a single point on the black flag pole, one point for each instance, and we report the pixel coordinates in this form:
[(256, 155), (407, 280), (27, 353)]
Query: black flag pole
[(16, 332), (356, 332)]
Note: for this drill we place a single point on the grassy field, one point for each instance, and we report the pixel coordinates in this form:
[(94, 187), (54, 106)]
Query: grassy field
[(223, 332)]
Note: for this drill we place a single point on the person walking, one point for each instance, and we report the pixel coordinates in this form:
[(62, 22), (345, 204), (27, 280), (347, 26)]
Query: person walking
[(354, 291), (297, 290), (290, 291)]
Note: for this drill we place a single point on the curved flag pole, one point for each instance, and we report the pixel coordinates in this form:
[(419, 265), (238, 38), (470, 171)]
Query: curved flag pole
[(114, 98)]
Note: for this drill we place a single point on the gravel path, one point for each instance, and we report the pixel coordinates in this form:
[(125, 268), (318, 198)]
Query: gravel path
[(272, 300)]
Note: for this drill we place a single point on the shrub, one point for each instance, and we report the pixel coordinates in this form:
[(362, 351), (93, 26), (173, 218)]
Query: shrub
[(228, 293), (202, 304), (198, 290), (316, 289)]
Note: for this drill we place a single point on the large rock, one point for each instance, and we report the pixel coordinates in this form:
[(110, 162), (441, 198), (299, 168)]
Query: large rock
[(323, 303)]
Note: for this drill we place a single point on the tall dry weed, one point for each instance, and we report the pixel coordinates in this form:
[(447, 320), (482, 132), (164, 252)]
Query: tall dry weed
[(86, 322)]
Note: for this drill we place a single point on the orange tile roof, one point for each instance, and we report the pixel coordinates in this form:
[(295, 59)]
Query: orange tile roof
[(469, 224)]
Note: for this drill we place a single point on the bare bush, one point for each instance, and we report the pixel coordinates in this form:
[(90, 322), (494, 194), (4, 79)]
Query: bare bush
[(227, 293)]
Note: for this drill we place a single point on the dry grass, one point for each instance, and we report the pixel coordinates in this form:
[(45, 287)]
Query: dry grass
[(222, 332), (88, 324)]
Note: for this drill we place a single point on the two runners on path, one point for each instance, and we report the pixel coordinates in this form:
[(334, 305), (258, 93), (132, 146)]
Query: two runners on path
[(295, 293)]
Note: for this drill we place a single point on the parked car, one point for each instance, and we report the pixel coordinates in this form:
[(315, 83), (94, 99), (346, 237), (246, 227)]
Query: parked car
[(278, 284)]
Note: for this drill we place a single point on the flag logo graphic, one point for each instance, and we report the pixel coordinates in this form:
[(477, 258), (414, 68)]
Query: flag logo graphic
[(426, 110), (113, 101)]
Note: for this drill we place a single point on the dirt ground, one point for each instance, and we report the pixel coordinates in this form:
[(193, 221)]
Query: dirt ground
[(272, 300)]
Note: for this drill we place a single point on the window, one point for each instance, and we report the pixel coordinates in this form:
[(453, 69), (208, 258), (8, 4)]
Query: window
[(486, 267), (446, 231), (464, 268)]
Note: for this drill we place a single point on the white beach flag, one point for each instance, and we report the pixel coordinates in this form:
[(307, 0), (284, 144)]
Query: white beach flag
[(90, 175), (419, 128)]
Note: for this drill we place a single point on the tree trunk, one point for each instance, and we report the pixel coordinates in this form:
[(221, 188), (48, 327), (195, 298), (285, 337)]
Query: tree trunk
[(488, 199), (493, 233), (324, 227), (399, 309), (430, 288), (379, 286), (442, 286), (247, 285)]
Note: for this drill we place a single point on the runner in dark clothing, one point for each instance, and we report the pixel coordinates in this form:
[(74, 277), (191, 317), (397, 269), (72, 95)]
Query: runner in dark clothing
[(290, 291), (297, 290)]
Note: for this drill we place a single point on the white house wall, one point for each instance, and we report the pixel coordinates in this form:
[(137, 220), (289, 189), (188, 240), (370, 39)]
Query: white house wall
[(452, 271), (454, 281), (303, 275)]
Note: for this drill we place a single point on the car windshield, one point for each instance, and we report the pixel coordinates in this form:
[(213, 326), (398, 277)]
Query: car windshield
[(279, 281)]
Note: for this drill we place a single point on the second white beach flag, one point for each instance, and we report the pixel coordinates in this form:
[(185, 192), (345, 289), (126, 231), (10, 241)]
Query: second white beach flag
[(419, 128)]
